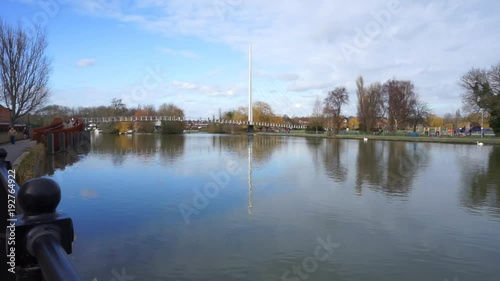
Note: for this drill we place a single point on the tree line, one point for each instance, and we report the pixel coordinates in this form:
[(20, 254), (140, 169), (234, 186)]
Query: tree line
[(396, 105)]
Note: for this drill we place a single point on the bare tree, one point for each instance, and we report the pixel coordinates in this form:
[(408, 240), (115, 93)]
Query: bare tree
[(370, 104), (457, 119), (118, 107), (24, 69), (170, 110), (448, 118), (362, 104), (419, 113), (333, 106), (400, 98), (317, 115)]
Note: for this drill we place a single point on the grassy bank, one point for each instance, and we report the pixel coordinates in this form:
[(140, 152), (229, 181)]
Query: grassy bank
[(462, 140), (27, 168)]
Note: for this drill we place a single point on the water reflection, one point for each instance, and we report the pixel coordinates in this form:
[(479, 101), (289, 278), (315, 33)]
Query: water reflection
[(370, 164), (250, 175), (145, 147), (263, 147), (60, 161), (314, 146), (404, 161), (171, 148), (390, 167), (253, 230), (334, 160), (481, 182)]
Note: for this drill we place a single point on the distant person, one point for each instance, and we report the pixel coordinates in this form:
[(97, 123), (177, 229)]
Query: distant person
[(12, 135)]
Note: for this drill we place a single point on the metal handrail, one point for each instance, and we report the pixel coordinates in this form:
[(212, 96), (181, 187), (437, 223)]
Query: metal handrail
[(35, 239)]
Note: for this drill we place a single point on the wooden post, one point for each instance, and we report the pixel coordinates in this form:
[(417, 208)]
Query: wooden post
[(50, 144), (69, 137), (62, 145)]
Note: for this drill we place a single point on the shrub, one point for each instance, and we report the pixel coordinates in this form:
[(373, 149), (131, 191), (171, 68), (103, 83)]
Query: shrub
[(27, 168), (168, 127)]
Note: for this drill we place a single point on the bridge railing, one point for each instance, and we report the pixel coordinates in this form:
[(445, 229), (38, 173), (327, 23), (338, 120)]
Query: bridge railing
[(35, 238), (186, 119)]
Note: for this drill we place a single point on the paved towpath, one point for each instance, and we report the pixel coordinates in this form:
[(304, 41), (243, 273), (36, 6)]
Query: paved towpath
[(14, 151)]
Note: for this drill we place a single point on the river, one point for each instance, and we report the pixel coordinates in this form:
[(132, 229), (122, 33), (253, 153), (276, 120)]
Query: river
[(219, 207)]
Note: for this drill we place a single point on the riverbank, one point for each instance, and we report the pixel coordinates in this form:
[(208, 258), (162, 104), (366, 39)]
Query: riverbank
[(462, 140), (26, 165)]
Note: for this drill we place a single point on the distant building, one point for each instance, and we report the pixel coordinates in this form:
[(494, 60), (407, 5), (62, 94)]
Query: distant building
[(5, 120)]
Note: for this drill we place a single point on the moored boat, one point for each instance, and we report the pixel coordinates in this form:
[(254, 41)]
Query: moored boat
[(56, 127)]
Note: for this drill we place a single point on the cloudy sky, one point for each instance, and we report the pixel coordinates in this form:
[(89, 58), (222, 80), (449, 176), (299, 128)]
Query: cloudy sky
[(194, 53)]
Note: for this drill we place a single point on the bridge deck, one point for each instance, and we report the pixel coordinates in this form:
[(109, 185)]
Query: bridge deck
[(188, 120)]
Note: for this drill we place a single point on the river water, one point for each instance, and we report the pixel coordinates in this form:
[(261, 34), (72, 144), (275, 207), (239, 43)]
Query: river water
[(217, 207)]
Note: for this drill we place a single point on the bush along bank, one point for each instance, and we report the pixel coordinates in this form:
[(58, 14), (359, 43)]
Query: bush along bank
[(28, 166)]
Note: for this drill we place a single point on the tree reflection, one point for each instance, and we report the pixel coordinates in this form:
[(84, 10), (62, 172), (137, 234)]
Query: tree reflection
[(404, 160), (482, 184), (334, 160), (390, 167), (263, 147), (370, 164), (171, 148), (314, 145), (143, 146)]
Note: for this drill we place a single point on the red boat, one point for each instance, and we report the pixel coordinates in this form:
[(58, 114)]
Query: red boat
[(58, 126)]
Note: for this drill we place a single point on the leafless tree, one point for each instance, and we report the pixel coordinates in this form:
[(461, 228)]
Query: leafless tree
[(170, 110), (333, 106), (419, 112), (448, 118), (24, 69), (362, 104), (317, 115), (118, 107), (457, 119), (400, 100), (370, 104)]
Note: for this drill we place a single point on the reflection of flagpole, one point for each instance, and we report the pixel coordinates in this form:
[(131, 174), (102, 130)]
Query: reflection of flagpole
[(250, 148)]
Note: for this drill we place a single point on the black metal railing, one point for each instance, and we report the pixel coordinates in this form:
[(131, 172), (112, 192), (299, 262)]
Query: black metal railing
[(35, 238)]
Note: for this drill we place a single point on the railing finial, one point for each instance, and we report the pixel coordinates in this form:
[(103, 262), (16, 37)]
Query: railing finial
[(3, 154), (39, 196)]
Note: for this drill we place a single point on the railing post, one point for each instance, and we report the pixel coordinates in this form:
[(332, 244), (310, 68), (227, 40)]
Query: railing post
[(69, 144), (62, 138), (38, 237), (50, 144)]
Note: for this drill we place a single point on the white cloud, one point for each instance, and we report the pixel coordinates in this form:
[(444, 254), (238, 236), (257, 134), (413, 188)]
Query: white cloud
[(206, 90), (85, 62), (429, 42)]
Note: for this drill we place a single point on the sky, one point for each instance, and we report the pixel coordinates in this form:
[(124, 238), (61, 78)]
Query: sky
[(194, 53)]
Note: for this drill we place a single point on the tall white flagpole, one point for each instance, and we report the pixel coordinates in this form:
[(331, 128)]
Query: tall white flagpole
[(250, 110)]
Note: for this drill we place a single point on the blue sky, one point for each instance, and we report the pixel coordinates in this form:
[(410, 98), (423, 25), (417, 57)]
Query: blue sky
[(194, 53)]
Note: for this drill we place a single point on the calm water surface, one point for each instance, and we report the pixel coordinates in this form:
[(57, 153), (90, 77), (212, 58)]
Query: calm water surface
[(208, 207)]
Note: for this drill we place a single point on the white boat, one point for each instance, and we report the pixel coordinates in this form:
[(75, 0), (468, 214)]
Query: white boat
[(129, 132)]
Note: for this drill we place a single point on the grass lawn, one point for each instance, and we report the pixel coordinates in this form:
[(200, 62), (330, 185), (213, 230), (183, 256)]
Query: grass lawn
[(457, 140)]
